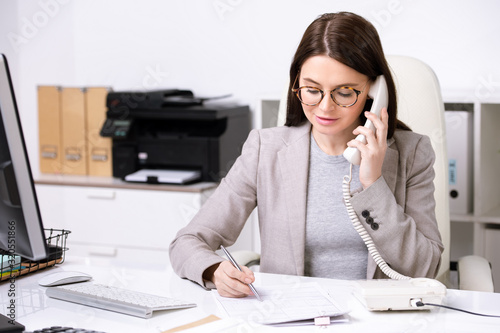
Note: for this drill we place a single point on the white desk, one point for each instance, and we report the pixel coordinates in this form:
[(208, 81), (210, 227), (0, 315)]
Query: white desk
[(35, 310)]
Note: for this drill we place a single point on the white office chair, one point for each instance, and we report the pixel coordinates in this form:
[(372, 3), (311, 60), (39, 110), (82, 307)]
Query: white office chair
[(421, 107)]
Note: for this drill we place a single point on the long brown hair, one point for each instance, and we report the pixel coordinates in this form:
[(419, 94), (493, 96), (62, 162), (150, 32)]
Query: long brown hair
[(353, 41)]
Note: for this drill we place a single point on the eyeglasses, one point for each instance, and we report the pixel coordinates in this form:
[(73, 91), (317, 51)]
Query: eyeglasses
[(342, 96)]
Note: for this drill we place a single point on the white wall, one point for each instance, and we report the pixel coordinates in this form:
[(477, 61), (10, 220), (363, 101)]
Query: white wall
[(228, 46)]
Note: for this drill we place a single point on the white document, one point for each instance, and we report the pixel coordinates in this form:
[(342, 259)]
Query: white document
[(298, 304), (163, 176)]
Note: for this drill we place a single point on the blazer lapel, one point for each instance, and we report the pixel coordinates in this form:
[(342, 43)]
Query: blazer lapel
[(294, 166), (390, 174), (390, 166)]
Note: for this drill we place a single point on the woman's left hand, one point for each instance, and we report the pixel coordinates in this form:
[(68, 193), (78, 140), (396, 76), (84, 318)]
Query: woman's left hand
[(373, 152)]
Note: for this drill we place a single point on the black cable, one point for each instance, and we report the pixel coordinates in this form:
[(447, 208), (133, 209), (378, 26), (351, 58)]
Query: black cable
[(419, 304)]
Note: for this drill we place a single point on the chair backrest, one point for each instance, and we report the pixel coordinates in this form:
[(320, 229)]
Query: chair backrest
[(421, 107)]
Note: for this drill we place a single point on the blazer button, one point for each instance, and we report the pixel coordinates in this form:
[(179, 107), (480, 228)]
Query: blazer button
[(365, 213), (374, 226), (369, 220)]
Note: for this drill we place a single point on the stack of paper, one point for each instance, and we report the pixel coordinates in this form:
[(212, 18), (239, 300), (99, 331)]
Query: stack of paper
[(300, 304), (164, 176)]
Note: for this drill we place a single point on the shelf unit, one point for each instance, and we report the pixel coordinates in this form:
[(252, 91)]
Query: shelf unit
[(479, 231)]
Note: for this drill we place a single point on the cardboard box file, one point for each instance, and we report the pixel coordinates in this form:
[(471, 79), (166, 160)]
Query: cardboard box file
[(98, 148), (73, 131), (49, 129)]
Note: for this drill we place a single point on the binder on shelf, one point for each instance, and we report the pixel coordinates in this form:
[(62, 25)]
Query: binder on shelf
[(460, 159), (73, 129), (49, 129), (99, 159)]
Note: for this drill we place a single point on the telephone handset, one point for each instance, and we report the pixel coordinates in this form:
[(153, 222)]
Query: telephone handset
[(378, 92)]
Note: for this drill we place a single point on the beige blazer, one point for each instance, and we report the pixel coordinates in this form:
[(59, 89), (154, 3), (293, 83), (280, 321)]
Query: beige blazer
[(271, 174)]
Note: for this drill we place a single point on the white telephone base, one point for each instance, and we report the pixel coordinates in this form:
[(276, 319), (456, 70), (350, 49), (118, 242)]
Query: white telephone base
[(386, 295)]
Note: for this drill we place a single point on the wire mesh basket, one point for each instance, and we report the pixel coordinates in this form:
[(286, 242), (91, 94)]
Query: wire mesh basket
[(13, 266)]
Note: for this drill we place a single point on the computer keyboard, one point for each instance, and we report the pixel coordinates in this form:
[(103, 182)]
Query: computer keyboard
[(61, 329), (116, 299)]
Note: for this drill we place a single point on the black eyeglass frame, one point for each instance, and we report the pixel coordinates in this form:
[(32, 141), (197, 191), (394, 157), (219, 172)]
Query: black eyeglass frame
[(297, 90)]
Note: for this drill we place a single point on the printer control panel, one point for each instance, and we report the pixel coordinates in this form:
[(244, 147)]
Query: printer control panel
[(116, 128)]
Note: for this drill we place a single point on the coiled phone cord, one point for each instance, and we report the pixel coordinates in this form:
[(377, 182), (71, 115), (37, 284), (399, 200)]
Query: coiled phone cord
[(365, 236)]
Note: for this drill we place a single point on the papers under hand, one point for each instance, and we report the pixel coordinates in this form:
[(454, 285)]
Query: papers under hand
[(283, 305)]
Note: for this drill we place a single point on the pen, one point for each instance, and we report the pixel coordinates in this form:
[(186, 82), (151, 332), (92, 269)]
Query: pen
[(230, 257)]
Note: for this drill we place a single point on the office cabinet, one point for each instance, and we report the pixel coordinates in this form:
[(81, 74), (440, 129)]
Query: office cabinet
[(486, 182), (477, 231), (107, 216)]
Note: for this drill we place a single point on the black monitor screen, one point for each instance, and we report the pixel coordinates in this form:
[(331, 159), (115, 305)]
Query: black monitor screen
[(21, 229)]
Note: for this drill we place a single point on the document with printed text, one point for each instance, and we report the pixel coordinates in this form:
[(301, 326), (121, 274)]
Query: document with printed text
[(299, 304)]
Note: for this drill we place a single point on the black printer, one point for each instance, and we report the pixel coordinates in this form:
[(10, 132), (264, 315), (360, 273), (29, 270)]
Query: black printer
[(173, 130)]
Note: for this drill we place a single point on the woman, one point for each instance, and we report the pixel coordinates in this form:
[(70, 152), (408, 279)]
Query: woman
[(294, 174)]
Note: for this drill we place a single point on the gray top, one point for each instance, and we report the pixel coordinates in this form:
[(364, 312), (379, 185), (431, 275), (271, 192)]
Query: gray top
[(333, 249)]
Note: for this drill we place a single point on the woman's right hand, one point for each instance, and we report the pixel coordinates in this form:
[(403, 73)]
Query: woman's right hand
[(230, 282)]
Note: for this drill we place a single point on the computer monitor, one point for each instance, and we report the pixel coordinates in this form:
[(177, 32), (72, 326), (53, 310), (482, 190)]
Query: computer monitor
[(21, 228)]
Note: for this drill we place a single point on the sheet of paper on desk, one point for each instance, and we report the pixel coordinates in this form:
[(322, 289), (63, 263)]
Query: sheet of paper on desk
[(281, 304)]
